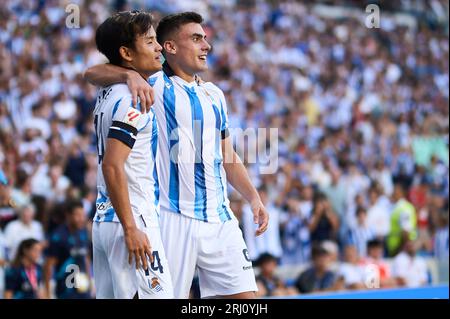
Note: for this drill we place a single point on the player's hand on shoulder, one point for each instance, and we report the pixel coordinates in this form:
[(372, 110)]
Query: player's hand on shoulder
[(141, 89)]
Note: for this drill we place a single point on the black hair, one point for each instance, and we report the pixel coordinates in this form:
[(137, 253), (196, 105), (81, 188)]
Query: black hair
[(174, 22), (401, 185), (24, 246), (318, 250), (72, 205), (263, 188), (264, 258), (21, 178), (361, 210), (318, 197), (374, 243), (121, 29)]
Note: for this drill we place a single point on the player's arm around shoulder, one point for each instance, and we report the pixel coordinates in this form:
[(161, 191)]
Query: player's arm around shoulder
[(108, 74)]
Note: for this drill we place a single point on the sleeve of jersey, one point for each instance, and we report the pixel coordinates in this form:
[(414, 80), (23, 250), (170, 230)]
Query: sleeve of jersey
[(125, 121), (224, 115)]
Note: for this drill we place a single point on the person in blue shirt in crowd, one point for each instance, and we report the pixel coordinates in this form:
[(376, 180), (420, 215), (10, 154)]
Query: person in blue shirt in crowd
[(269, 283), (318, 277), (69, 256), (24, 276)]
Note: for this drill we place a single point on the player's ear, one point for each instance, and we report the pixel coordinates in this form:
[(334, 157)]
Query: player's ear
[(125, 53), (170, 47)]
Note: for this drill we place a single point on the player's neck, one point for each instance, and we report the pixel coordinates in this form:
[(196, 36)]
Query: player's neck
[(178, 71), (145, 75)]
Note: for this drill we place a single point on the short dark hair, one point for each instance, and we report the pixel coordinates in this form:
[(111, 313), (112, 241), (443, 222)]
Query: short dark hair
[(263, 189), (173, 22), (317, 250), (121, 29), (361, 210), (319, 196), (265, 258), (72, 205), (374, 243), (401, 186)]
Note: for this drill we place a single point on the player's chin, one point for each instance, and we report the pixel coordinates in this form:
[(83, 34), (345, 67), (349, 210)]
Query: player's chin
[(202, 67), (156, 67)]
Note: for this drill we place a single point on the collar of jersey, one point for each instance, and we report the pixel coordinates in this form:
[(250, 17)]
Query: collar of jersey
[(170, 73)]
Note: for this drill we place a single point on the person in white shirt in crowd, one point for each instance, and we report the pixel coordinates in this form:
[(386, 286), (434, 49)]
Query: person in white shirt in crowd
[(41, 112), (32, 144), (50, 182), (409, 269), (351, 270), (268, 242), (23, 228), (383, 176), (378, 212), (356, 184), (332, 249)]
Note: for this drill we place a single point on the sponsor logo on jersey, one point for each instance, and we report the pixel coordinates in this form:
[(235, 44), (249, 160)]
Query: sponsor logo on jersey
[(132, 117)]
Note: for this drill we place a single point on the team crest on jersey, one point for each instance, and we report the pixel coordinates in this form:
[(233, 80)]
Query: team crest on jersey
[(154, 284), (132, 117)]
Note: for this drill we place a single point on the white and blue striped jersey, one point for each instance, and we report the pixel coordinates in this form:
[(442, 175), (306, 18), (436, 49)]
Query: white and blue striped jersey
[(115, 117), (359, 236), (192, 121)]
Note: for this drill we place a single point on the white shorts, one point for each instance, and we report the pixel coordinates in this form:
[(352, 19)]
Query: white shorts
[(218, 251), (115, 278)]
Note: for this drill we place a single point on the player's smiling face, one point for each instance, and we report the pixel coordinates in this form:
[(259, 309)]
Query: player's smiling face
[(191, 48), (146, 54)]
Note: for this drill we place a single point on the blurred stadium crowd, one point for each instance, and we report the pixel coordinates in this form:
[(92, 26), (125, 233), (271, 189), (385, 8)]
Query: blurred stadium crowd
[(362, 118)]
